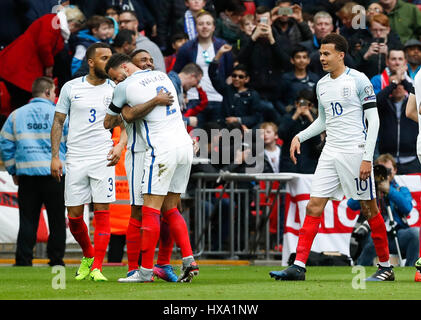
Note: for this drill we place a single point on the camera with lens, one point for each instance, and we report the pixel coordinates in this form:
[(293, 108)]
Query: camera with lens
[(381, 173)]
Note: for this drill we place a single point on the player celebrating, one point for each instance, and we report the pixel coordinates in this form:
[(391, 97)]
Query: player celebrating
[(346, 100), (134, 167), (89, 146), (167, 160), (413, 112)]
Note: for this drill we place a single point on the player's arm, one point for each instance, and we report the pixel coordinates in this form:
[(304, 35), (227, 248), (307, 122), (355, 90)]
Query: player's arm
[(139, 111), (411, 108), (317, 127), (112, 120), (372, 118), (55, 135), (115, 153)]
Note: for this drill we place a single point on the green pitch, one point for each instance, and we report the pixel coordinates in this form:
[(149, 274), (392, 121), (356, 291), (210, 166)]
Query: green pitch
[(213, 283)]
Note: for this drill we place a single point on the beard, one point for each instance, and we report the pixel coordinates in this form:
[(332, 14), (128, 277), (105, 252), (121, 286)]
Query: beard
[(100, 73)]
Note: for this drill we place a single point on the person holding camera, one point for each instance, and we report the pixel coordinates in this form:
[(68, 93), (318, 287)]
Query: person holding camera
[(288, 20), (298, 117), (390, 193), (371, 59)]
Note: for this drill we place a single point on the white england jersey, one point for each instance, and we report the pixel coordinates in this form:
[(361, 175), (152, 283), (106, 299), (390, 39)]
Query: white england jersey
[(163, 128), (86, 106), (344, 100), (417, 87)]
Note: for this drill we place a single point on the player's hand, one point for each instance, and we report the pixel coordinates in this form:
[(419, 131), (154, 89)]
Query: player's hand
[(196, 146), (365, 169), (114, 155), (56, 169), (164, 98), (295, 147)]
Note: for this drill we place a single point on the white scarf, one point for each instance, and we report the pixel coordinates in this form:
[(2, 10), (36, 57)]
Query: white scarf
[(64, 26), (190, 25)]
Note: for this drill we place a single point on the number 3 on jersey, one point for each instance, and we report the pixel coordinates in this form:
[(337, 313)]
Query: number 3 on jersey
[(92, 118), (169, 111)]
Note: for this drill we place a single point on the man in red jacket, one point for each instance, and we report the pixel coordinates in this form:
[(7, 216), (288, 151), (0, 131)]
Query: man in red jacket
[(32, 54)]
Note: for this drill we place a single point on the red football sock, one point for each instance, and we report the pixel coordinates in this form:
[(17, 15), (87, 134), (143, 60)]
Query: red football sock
[(379, 236), (150, 235), (80, 232), (101, 237), (133, 243), (306, 237), (166, 244), (179, 232)]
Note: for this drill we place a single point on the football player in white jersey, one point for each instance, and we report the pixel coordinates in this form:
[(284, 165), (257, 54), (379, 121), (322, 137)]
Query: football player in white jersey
[(413, 112), (134, 168), (346, 101), (167, 161), (90, 157)]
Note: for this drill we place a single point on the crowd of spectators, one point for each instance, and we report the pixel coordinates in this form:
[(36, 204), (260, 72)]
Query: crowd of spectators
[(257, 61)]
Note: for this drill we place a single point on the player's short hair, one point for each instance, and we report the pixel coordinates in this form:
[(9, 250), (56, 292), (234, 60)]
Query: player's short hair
[(95, 21), (386, 157), (40, 85), (90, 52), (192, 68), (269, 124), (136, 52), (336, 39), (122, 37), (116, 60)]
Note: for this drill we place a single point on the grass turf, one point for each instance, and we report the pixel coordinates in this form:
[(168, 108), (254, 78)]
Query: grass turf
[(213, 283)]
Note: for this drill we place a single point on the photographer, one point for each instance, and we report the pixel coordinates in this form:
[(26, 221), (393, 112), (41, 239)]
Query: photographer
[(389, 193), (288, 20), (371, 59)]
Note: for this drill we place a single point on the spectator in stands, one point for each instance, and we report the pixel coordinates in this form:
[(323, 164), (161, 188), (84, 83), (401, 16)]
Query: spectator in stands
[(201, 51), (397, 133), (273, 151), (128, 20), (187, 23), (189, 77), (228, 22), (323, 25), (298, 79), (395, 63), (287, 19), (346, 14), (413, 56), (177, 42), (240, 104), (125, 42), (400, 201), (298, 117), (266, 55), (25, 148), (373, 9), (247, 24), (405, 18), (32, 54), (113, 11), (97, 30), (371, 59)]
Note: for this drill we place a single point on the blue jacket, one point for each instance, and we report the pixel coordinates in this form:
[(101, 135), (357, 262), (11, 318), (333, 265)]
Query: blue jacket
[(25, 144), (188, 53), (84, 38), (400, 200)]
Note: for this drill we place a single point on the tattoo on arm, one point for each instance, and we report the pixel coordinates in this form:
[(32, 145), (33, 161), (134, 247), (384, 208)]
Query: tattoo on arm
[(56, 133)]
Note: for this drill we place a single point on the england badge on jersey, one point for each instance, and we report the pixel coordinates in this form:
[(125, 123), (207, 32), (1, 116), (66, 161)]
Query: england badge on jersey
[(346, 92), (107, 100)]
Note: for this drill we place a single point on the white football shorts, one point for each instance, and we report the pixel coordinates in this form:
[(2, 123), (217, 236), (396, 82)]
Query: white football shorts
[(337, 174), (88, 181), (134, 164), (167, 172)]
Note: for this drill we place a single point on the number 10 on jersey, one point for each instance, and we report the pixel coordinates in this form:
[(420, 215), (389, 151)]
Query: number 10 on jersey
[(336, 109), (169, 110)]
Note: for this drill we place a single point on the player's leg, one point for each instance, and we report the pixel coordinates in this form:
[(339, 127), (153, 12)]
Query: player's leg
[(180, 234), (379, 235), (162, 268), (307, 233), (80, 232)]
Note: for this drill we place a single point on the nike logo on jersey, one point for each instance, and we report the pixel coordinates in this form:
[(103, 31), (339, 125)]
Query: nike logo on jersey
[(323, 93), (359, 193), (77, 97)]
